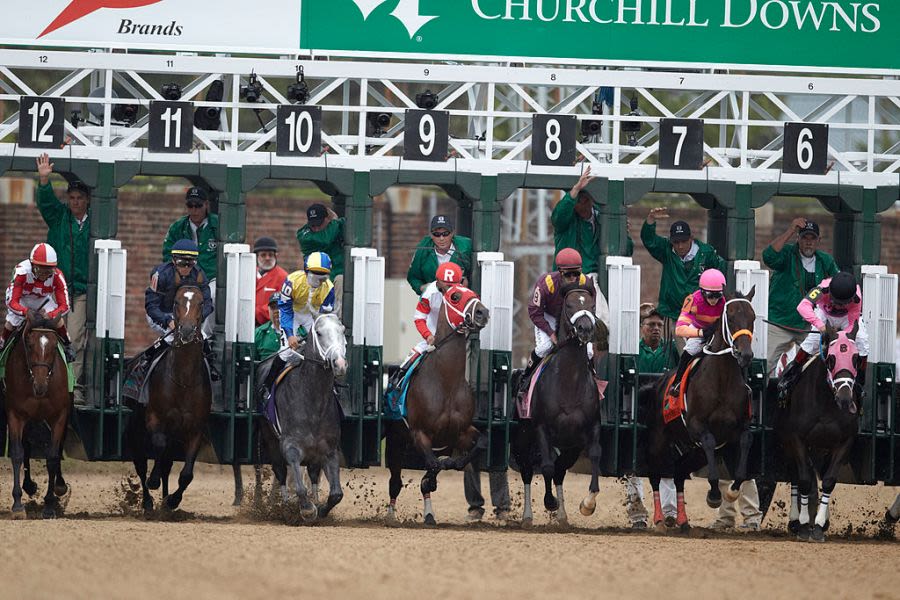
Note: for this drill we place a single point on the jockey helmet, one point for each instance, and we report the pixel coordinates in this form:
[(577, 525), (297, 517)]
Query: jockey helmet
[(842, 288), (449, 273), (318, 262), (43, 255), (186, 249), (712, 280), (568, 259)]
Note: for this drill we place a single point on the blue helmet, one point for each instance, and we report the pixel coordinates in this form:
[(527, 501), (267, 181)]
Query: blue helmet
[(186, 248), (318, 262)]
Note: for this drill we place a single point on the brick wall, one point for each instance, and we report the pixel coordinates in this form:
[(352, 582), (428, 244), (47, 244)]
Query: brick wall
[(144, 218)]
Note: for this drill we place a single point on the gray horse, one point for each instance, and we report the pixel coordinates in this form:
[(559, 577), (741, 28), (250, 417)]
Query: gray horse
[(309, 419)]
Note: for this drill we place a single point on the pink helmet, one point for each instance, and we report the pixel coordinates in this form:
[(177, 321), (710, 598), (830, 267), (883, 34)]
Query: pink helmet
[(712, 280)]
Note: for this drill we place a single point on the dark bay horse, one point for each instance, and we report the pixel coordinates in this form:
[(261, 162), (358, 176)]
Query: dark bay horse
[(565, 411), (440, 404), (37, 390), (717, 401), (180, 400), (821, 415), (310, 420)]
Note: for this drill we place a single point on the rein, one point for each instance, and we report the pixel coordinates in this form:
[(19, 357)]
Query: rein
[(30, 365), (727, 335)]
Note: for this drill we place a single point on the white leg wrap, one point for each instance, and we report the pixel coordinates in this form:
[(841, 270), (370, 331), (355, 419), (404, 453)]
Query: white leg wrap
[(895, 507), (795, 503), (561, 512), (822, 514), (526, 512), (804, 509), (428, 509)]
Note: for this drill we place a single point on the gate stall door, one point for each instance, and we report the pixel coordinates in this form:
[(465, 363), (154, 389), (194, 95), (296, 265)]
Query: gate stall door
[(879, 312)]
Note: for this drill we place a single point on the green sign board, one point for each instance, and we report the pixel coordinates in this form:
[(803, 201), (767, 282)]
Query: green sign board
[(841, 34)]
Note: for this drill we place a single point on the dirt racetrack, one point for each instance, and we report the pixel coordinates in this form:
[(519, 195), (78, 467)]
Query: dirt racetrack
[(209, 549)]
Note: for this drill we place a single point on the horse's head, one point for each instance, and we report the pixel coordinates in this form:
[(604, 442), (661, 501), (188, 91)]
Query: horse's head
[(578, 317), (188, 311), (842, 362), (40, 344), (464, 310), (737, 320), (329, 341)]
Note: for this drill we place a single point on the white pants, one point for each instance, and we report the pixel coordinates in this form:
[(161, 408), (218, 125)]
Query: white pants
[(693, 346), (634, 498), (286, 353), (14, 318), (780, 342), (209, 323), (542, 343), (747, 503), (811, 344)]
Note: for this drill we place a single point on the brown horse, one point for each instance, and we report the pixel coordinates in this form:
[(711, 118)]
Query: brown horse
[(37, 390), (717, 413), (440, 405), (180, 399)]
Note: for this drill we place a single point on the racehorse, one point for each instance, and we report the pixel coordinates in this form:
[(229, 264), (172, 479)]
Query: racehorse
[(565, 411), (717, 413), (440, 404), (180, 399), (822, 413), (37, 390), (309, 419)]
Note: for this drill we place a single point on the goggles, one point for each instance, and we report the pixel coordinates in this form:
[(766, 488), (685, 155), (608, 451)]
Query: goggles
[(571, 274), (712, 295), (185, 262)]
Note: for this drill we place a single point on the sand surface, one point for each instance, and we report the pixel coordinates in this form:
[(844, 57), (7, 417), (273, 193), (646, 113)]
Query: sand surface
[(104, 548)]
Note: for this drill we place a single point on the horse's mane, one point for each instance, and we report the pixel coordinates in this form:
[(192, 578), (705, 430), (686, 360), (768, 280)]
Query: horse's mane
[(582, 287)]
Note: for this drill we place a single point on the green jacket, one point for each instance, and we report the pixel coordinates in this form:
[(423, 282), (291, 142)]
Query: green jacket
[(425, 263), (656, 361), (72, 244), (330, 241), (267, 340), (789, 282), (571, 231), (207, 240), (679, 279)]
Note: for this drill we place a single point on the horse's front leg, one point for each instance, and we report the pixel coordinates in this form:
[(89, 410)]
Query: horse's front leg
[(335, 493), (548, 467), (829, 481), (470, 444), (158, 442), (54, 458), (238, 483), (17, 457), (713, 496), (191, 448), (294, 457), (740, 474), (28, 484), (589, 503)]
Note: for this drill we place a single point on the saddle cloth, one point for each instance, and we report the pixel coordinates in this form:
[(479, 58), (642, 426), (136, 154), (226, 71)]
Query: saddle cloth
[(675, 406), (523, 403), (270, 409), (135, 387), (394, 406)]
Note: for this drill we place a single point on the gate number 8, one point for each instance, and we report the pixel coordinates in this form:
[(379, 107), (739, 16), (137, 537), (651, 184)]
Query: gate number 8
[(553, 141)]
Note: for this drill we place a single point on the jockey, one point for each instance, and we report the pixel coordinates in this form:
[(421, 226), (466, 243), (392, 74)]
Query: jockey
[(699, 311), (39, 285), (428, 311), (305, 295), (836, 302), (546, 306), (159, 299)]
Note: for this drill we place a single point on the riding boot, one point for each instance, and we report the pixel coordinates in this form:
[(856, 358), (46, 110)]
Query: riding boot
[(63, 334), (5, 335), (683, 363), (210, 355), (791, 373), (525, 378), (150, 354), (400, 373), (265, 389)]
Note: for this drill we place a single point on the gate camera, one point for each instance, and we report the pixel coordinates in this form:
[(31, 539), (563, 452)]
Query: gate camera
[(591, 128), (208, 118), (427, 100), (298, 92), (171, 91), (253, 91), (632, 128), (378, 123)]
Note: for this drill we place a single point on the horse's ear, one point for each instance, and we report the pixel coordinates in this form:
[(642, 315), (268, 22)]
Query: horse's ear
[(829, 336), (854, 331), (750, 294), (830, 362), (856, 361)]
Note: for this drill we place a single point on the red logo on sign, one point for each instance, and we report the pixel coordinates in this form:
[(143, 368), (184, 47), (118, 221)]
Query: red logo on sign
[(80, 8)]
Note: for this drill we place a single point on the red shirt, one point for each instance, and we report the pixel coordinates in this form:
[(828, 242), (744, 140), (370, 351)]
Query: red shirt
[(25, 284), (266, 285)]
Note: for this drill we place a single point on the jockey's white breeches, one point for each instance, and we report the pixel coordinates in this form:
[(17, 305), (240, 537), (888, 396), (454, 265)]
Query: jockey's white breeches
[(693, 346), (286, 353), (542, 343), (15, 318), (811, 344)]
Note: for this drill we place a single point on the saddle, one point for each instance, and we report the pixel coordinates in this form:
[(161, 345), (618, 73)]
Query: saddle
[(675, 406), (394, 405), (523, 402)]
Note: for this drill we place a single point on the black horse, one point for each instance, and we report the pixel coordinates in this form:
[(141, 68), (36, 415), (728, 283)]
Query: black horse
[(565, 411), (821, 414), (309, 419), (718, 414)]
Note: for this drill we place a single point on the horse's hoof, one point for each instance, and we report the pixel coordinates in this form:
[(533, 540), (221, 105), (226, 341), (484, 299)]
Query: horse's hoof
[(551, 504), (527, 523), (153, 483), (171, 502), (732, 495), (61, 490), (713, 501), (888, 518), (308, 511), (48, 513), (429, 520), (794, 527), (587, 510), (559, 519), (827, 525), (29, 487), (803, 533), (817, 534), (670, 522), (18, 515), (685, 528)]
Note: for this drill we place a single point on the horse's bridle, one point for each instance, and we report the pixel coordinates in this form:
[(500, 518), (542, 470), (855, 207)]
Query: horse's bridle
[(840, 382), (30, 365), (466, 313), (729, 337), (581, 313), (178, 340), (323, 353)]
